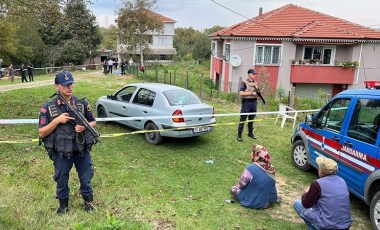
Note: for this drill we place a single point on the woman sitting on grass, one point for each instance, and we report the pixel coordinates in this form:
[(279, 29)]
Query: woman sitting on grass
[(256, 187)]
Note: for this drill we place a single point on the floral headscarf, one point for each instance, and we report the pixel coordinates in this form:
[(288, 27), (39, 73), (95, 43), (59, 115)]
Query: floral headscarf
[(261, 157)]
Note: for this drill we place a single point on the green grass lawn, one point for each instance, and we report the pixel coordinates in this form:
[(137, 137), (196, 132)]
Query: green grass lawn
[(139, 186)]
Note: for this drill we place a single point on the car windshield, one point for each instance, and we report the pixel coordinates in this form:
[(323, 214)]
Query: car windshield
[(181, 97)]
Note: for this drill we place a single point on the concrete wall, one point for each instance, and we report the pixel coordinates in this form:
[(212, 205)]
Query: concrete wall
[(369, 64), (245, 49), (289, 52), (165, 38)]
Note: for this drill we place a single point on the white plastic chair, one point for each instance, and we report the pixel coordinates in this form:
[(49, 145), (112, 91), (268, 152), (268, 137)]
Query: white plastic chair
[(284, 111)]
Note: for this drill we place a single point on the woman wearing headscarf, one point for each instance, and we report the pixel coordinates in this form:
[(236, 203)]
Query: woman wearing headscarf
[(256, 187)]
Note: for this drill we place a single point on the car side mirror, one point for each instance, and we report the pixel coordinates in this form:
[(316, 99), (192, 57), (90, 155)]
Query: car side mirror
[(309, 119), (111, 96)]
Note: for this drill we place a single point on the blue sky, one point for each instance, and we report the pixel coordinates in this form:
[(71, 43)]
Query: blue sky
[(201, 14)]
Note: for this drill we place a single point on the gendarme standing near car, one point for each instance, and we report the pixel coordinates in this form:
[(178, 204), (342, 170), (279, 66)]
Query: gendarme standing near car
[(249, 96), (68, 143)]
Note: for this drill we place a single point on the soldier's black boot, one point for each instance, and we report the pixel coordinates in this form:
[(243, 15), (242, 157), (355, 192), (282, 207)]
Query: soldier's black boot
[(251, 135), (88, 205), (63, 206), (239, 137)]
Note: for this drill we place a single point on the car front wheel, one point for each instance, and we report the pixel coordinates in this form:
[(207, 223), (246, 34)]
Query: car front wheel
[(102, 113), (375, 211), (153, 138), (299, 156)]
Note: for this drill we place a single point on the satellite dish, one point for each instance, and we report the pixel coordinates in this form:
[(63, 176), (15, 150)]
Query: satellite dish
[(235, 60)]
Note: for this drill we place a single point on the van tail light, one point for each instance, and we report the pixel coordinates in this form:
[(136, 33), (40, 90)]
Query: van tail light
[(176, 118)]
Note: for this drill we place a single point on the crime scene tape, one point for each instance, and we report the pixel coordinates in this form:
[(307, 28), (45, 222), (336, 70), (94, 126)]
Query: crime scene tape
[(140, 131), (35, 121)]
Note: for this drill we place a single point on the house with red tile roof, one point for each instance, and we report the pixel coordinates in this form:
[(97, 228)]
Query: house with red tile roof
[(161, 42), (293, 46)]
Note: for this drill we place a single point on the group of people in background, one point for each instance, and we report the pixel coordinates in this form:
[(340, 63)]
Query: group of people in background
[(23, 69), (10, 71), (110, 65)]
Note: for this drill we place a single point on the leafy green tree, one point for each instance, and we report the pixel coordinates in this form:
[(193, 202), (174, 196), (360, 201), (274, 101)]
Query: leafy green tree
[(80, 24), (213, 29), (184, 40), (8, 40), (73, 51), (109, 37), (136, 24), (65, 23), (192, 44)]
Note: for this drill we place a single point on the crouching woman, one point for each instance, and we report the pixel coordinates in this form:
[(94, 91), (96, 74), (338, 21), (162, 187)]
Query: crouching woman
[(256, 187)]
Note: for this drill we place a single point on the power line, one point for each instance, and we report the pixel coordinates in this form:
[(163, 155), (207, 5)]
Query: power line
[(229, 9)]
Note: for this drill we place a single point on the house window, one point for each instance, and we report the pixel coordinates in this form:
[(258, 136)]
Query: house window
[(318, 54), (227, 51), (213, 49), (268, 55)]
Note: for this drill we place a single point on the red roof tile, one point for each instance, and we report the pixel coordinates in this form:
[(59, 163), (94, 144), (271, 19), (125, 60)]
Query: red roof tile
[(160, 17), (292, 21)]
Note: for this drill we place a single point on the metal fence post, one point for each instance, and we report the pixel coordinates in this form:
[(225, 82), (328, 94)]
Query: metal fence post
[(201, 88), (175, 77)]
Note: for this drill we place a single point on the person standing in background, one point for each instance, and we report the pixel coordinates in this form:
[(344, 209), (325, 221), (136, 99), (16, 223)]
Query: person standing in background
[(23, 72), (110, 66), (11, 73), (30, 71)]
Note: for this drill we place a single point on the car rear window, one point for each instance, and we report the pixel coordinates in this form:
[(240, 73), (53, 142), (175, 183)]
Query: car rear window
[(181, 97)]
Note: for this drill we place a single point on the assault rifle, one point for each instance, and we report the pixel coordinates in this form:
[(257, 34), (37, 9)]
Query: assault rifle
[(259, 95), (79, 118)]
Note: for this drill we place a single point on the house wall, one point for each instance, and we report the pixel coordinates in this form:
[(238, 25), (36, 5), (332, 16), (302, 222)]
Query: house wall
[(245, 50), (368, 64), (289, 52), (165, 38)]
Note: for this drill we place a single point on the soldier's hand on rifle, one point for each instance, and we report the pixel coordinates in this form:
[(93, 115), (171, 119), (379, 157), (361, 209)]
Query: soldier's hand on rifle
[(64, 118), (79, 128)]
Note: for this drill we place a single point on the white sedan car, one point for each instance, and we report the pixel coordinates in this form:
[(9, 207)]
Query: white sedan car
[(180, 112)]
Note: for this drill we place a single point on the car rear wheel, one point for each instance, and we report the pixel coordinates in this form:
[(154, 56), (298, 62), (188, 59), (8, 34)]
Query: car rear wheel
[(299, 156), (153, 138), (375, 211), (102, 113)]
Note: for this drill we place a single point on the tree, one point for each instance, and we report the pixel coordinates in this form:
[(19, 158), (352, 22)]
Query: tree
[(192, 44), (184, 40), (109, 36), (136, 24), (8, 40), (64, 24), (80, 24)]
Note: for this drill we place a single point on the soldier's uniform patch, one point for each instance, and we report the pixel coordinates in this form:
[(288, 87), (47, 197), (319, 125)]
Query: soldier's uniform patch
[(88, 108), (42, 120), (43, 110)]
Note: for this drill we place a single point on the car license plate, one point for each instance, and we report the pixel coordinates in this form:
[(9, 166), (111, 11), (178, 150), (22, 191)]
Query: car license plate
[(201, 129)]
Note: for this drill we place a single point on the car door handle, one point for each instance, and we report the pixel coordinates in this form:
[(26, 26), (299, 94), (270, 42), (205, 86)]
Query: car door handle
[(348, 143), (336, 139), (145, 112), (124, 107)]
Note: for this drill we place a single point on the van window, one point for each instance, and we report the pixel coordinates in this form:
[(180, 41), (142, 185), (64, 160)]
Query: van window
[(365, 121), (332, 115)]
